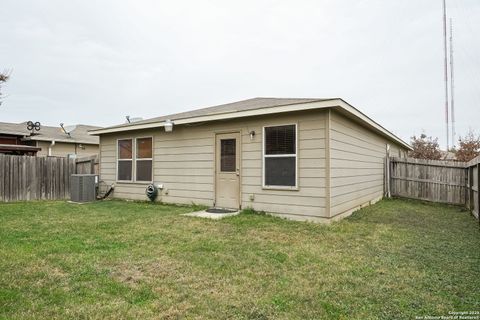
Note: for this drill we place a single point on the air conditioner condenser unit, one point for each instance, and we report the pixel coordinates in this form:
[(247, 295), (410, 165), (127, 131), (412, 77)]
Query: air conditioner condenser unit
[(83, 187)]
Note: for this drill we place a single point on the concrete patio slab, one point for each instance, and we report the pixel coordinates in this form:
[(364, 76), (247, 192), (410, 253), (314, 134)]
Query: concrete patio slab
[(209, 215)]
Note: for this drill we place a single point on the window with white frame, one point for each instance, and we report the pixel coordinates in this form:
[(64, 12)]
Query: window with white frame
[(125, 160), (143, 159), (135, 156), (280, 156)]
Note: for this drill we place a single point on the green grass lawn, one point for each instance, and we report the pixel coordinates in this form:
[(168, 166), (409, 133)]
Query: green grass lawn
[(395, 260)]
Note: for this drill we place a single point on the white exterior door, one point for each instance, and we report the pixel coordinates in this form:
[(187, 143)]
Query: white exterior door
[(227, 170)]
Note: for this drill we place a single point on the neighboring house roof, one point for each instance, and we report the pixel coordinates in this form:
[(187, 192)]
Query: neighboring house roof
[(16, 129), (16, 147), (254, 107), (448, 155), (48, 133)]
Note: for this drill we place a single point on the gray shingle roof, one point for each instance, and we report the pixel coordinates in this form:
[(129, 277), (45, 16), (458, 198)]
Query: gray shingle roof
[(244, 105), (48, 133), (260, 106)]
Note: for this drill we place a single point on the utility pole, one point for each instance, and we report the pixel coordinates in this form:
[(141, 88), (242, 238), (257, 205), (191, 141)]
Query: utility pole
[(445, 69), (452, 86)]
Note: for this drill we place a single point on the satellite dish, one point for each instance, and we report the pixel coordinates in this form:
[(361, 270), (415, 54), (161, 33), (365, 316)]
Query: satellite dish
[(69, 129), (135, 119)]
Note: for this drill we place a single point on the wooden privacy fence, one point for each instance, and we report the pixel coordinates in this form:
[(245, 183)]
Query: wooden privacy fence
[(87, 165), (473, 186), (36, 178), (438, 181)]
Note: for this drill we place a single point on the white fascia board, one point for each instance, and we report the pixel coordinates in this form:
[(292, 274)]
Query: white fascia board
[(264, 111), (127, 128), (224, 116)]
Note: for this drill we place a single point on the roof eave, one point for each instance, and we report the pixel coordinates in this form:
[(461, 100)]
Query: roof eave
[(46, 139), (13, 133), (223, 116), (331, 103), (17, 147)]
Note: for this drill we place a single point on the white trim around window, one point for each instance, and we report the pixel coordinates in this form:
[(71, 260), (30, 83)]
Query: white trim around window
[(134, 159), (117, 155), (143, 159), (275, 187)]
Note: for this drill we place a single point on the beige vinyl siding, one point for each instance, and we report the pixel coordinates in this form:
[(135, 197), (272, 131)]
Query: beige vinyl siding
[(183, 161), (357, 157), (396, 151), (59, 149), (89, 150), (62, 149)]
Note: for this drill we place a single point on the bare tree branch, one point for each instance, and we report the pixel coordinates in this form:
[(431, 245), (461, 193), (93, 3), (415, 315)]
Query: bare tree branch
[(4, 76)]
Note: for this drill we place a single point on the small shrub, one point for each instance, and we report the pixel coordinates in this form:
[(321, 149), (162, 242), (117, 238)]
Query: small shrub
[(253, 211)]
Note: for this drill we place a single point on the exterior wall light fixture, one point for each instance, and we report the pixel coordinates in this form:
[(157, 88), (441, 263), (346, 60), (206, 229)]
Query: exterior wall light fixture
[(168, 126)]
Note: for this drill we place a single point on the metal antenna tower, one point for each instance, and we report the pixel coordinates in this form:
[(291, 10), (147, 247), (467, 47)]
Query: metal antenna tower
[(452, 86), (445, 70)]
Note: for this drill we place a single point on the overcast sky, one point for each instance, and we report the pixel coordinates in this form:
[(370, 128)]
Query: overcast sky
[(93, 62)]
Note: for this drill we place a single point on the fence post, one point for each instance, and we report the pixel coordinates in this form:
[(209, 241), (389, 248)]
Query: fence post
[(387, 175), (478, 192), (470, 188), (385, 169), (467, 184)]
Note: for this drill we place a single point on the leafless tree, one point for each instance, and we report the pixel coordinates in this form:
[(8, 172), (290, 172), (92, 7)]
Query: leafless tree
[(4, 76)]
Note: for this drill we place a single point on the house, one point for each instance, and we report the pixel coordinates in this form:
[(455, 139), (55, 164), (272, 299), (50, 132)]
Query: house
[(11, 141), (305, 159), (17, 138)]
